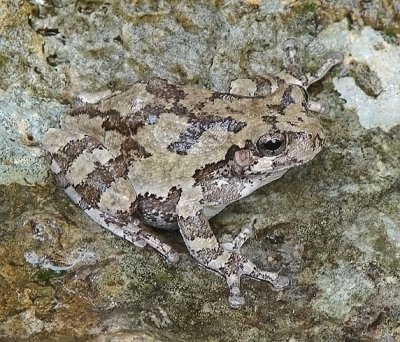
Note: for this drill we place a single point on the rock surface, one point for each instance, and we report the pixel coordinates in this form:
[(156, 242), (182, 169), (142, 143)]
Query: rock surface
[(334, 224)]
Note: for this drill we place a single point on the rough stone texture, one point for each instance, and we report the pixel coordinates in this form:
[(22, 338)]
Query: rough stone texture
[(333, 225), (373, 91)]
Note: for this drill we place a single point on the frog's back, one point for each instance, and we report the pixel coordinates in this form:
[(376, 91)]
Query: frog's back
[(163, 134), (161, 138)]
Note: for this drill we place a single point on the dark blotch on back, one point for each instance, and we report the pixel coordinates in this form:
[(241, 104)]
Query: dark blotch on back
[(271, 120), (197, 126), (286, 101), (72, 150), (76, 147), (112, 119), (95, 184), (165, 90), (127, 126), (131, 150), (91, 111)]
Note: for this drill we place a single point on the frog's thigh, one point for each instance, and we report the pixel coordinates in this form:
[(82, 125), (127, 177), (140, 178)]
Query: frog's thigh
[(97, 182), (89, 173)]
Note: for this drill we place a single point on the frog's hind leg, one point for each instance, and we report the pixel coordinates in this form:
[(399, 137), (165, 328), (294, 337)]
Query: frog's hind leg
[(224, 259), (133, 232), (97, 182)]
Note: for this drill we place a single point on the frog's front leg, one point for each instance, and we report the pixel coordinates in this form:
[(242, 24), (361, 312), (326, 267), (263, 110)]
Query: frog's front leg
[(224, 259)]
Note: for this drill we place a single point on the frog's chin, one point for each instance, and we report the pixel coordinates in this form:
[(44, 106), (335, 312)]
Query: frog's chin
[(258, 181)]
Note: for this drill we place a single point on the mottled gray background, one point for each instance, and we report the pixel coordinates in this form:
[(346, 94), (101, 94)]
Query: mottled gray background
[(333, 225)]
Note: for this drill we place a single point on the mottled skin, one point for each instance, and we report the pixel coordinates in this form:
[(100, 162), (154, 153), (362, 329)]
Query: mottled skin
[(172, 156)]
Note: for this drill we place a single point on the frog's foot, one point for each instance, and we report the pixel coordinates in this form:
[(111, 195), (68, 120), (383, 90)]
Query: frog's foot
[(291, 47), (233, 265), (239, 265), (332, 59)]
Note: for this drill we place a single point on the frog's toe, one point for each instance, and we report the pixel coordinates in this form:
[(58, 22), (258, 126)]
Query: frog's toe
[(139, 243), (254, 272), (236, 300), (172, 257), (242, 266), (281, 282), (290, 44), (239, 240), (235, 297)]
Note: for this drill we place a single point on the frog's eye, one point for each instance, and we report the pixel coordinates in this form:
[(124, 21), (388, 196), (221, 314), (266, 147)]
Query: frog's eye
[(271, 144)]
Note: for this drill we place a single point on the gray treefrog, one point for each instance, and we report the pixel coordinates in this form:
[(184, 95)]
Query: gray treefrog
[(172, 156)]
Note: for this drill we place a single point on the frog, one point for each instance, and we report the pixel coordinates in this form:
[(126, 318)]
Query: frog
[(160, 155)]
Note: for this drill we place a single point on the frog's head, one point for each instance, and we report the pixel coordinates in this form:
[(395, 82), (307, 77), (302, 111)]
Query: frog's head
[(290, 142)]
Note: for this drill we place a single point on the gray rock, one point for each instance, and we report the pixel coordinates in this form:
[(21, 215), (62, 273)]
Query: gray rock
[(333, 225)]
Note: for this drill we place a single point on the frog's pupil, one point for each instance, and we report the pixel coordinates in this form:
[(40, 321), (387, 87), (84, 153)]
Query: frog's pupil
[(273, 144)]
